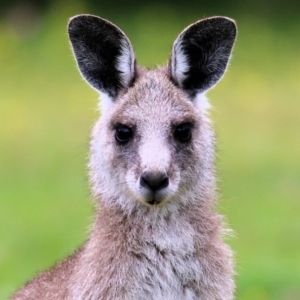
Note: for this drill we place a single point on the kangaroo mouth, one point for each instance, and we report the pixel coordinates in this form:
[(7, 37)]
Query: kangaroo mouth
[(154, 199), (153, 202)]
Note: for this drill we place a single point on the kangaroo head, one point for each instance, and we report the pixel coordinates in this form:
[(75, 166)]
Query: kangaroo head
[(153, 144)]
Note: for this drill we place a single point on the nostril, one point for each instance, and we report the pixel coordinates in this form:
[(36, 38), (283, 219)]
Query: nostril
[(144, 182), (154, 181), (164, 183)]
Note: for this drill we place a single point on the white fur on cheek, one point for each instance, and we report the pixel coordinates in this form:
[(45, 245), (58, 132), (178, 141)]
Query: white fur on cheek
[(133, 185)]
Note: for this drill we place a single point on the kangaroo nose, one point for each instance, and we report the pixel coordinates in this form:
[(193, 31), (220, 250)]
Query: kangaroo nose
[(154, 180)]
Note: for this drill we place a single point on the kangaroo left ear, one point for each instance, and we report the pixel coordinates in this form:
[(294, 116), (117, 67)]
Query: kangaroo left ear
[(201, 53), (103, 53)]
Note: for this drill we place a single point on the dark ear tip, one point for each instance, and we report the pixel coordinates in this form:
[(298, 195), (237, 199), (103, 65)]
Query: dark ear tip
[(228, 21), (81, 20), (222, 19), (74, 22), (223, 22), (76, 18)]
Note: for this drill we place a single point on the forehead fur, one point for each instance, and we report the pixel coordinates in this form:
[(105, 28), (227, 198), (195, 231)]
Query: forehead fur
[(154, 97)]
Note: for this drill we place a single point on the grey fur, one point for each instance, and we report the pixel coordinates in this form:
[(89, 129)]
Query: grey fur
[(160, 239)]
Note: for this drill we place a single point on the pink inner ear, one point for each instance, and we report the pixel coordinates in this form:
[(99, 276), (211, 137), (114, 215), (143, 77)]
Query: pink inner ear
[(179, 63), (125, 63)]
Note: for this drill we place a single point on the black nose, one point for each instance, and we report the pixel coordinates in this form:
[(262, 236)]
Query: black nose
[(154, 180)]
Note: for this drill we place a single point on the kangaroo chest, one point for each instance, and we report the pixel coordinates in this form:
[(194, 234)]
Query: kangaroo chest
[(165, 274), (165, 266)]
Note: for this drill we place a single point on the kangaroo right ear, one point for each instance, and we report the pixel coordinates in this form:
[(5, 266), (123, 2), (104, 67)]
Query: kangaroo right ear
[(201, 53), (103, 53)]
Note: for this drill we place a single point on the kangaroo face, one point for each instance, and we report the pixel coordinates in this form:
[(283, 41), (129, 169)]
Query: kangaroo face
[(152, 130), (146, 147), (153, 141)]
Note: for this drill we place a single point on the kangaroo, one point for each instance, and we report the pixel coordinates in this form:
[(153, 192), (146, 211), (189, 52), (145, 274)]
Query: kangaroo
[(156, 234)]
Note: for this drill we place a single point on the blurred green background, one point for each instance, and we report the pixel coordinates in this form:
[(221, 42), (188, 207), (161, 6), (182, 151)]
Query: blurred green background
[(47, 111)]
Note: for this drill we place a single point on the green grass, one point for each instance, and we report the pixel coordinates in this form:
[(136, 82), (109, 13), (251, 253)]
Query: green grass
[(46, 113)]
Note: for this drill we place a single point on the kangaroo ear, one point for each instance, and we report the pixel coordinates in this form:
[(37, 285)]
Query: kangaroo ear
[(103, 53), (201, 53)]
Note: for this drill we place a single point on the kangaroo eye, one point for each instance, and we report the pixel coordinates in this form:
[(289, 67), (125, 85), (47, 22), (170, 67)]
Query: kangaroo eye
[(183, 132), (123, 134)]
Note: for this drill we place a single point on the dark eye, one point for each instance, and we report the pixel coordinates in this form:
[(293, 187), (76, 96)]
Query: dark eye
[(183, 132), (123, 134)]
